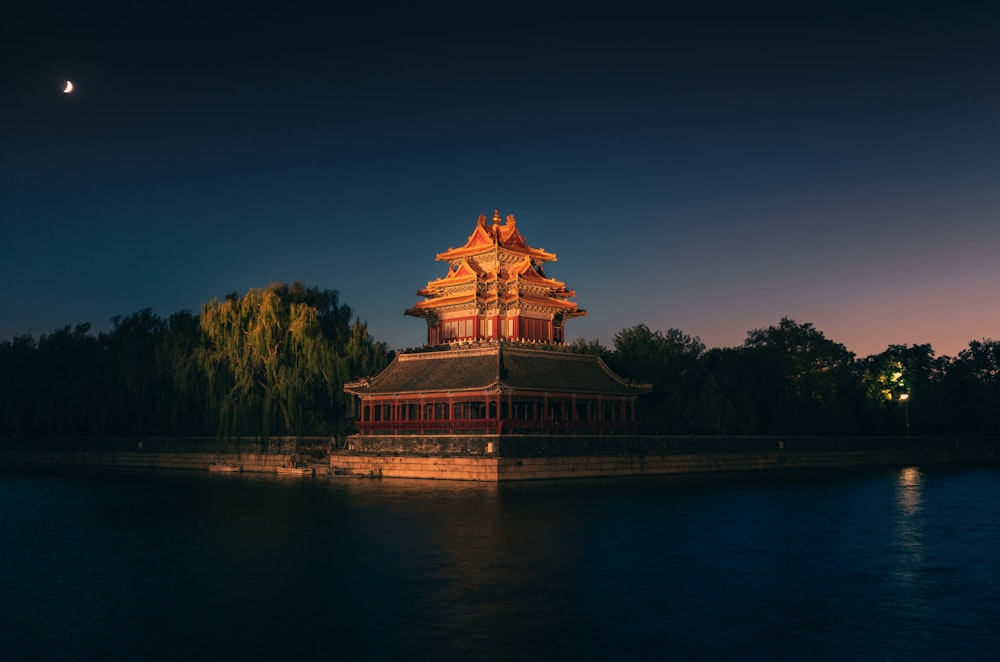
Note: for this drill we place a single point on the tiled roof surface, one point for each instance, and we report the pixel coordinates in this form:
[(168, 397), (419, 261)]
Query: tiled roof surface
[(528, 369), (515, 367)]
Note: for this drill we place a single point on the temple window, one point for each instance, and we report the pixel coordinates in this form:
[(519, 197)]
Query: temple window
[(458, 329)]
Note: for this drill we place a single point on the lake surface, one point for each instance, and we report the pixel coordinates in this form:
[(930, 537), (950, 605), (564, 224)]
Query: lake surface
[(867, 564)]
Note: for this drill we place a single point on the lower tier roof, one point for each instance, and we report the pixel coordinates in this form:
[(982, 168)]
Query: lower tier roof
[(496, 366)]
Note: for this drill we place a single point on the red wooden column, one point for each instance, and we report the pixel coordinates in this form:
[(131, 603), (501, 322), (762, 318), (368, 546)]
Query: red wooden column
[(451, 413), (498, 417), (420, 413)]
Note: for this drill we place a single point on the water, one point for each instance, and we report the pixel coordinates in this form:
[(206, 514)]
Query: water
[(873, 564)]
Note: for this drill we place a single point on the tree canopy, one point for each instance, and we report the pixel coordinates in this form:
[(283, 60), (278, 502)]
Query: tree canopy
[(274, 361), (790, 378)]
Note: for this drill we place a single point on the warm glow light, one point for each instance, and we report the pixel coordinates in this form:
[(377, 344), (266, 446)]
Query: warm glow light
[(904, 396), (68, 88), (909, 498), (909, 476)]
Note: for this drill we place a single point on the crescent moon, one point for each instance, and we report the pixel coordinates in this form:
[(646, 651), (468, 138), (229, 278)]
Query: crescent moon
[(69, 87)]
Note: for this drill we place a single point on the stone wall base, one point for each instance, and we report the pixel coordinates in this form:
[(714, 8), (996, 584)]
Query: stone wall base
[(515, 458), (137, 459), (718, 455)]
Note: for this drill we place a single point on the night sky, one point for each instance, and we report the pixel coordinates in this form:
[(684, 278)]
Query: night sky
[(709, 167)]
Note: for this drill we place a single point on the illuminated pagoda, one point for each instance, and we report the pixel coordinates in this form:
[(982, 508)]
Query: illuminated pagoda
[(496, 289), (494, 362)]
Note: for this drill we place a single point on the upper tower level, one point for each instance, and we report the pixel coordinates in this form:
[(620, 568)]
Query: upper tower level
[(496, 289)]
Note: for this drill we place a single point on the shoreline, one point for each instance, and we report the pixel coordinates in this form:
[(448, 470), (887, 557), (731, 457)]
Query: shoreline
[(500, 458)]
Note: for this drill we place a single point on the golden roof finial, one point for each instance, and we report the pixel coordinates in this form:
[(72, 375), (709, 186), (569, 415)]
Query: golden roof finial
[(496, 216)]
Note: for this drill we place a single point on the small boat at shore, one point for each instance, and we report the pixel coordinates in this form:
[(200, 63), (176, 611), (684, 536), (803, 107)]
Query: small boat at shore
[(294, 471), (224, 467)]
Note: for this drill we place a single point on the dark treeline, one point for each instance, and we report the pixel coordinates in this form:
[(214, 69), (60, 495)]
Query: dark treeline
[(273, 361), (791, 379)]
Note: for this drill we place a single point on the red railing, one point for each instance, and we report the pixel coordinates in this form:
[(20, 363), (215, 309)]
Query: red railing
[(494, 426)]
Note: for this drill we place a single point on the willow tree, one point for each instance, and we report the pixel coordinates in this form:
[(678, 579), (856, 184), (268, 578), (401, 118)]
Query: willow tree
[(276, 359)]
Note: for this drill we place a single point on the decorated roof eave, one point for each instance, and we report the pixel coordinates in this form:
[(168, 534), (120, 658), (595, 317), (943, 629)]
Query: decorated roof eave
[(506, 388), (489, 388), (510, 236), (549, 303), (465, 273), (419, 312), (442, 302), (497, 386), (538, 254), (526, 271), (505, 237)]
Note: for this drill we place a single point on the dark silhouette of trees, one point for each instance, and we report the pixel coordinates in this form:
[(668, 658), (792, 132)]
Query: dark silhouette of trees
[(667, 360), (728, 393), (274, 361), (69, 402), (131, 377), (969, 394), (803, 379), (177, 358), (791, 379), (271, 362)]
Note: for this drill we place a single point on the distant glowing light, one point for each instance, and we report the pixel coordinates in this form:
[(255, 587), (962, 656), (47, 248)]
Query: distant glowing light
[(68, 88)]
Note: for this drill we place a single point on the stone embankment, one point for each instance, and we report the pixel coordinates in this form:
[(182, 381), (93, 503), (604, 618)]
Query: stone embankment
[(187, 453), (496, 458), (515, 458)]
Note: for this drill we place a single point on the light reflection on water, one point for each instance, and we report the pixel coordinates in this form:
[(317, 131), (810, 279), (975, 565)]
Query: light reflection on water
[(877, 563), (910, 524)]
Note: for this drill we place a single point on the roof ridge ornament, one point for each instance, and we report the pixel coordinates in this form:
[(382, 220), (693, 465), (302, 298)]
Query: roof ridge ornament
[(496, 216)]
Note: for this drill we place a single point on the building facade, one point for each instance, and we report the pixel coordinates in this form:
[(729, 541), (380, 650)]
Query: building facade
[(496, 289), (495, 361)]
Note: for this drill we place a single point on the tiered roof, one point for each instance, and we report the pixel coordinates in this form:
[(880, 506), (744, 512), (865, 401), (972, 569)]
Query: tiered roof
[(496, 267), (496, 366)]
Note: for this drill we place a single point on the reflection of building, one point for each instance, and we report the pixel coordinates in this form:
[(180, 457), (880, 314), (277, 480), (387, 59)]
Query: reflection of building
[(494, 361)]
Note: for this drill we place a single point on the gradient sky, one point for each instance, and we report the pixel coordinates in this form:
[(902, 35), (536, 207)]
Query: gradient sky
[(710, 167)]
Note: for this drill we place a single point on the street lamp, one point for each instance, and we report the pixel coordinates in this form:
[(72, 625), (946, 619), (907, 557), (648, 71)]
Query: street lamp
[(905, 397)]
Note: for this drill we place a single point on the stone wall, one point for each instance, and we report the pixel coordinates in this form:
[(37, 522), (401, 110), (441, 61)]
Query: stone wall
[(182, 453), (509, 458), (534, 458), (442, 444), (136, 459), (346, 464)]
